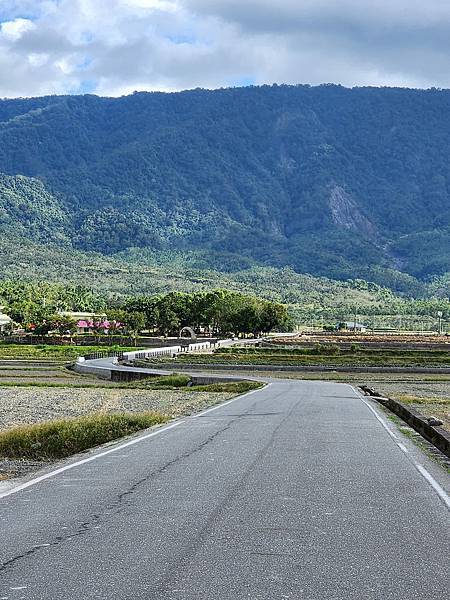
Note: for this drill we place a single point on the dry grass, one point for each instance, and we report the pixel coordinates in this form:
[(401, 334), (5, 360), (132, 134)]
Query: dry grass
[(64, 437), (438, 407)]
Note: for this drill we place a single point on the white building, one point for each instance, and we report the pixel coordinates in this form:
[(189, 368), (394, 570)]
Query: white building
[(352, 326)]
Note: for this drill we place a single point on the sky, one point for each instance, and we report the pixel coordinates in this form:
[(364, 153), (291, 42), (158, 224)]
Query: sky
[(114, 47)]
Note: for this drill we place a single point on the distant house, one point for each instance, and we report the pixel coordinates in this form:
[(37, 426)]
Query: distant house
[(88, 321), (351, 326), (4, 320)]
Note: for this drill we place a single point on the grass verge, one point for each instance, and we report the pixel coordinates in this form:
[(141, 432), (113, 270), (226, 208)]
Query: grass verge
[(62, 438), (233, 387), (176, 381), (159, 383)]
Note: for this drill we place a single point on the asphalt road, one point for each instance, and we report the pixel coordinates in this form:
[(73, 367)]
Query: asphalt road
[(295, 491)]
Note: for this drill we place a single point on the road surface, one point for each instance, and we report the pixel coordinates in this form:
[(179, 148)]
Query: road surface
[(294, 491)]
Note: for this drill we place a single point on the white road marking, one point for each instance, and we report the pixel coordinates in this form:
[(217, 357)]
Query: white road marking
[(138, 440), (432, 481), (28, 484), (425, 474), (402, 447)]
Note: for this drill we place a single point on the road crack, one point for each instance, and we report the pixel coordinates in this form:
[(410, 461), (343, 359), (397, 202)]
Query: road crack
[(115, 507), (82, 530)]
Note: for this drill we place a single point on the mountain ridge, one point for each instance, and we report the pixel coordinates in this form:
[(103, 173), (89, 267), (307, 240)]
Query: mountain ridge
[(327, 180)]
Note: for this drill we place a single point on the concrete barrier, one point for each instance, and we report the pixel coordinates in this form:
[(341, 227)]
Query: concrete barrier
[(439, 437), (87, 369)]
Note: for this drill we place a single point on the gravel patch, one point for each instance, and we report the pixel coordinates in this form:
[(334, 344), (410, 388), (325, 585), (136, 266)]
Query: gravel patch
[(24, 406), (19, 468), (19, 406)]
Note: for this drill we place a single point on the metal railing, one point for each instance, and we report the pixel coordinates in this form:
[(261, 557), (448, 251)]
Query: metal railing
[(156, 352)]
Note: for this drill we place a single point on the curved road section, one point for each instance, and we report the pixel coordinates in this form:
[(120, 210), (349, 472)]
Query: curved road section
[(299, 490)]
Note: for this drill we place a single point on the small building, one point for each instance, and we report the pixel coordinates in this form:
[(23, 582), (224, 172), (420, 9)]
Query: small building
[(351, 326), (5, 321), (87, 321)]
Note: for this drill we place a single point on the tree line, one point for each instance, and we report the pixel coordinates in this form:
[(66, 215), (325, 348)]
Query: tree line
[(216, 312), (38, 308)]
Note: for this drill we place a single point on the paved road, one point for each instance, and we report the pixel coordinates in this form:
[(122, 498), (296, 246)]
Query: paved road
[(296, 491)]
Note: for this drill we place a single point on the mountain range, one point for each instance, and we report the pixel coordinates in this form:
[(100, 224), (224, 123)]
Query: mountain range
[(328, 181)]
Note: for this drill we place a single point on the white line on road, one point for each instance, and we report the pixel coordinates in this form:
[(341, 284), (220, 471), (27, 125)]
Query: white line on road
[(132, 442), (425, 474), (28, 484)]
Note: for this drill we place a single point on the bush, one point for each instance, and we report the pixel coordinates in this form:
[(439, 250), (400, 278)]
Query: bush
[(327, 349)]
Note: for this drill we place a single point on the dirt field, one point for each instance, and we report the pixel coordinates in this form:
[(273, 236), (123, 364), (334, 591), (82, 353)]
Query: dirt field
[(32, 394), (31, 405), (401, 340)]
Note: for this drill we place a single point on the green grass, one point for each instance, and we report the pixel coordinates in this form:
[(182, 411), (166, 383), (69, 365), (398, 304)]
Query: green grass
[(30, 375), (177, 381), (232, 387), (62, 438), (410, 433), (49, 351), (173, 381), (168, 382)]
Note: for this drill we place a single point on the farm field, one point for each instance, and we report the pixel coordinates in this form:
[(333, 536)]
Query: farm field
[(335, 349), (327, 356), (33, 393), (51, 352)]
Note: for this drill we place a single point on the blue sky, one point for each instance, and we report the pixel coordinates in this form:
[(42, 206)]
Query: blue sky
[(113, 47)]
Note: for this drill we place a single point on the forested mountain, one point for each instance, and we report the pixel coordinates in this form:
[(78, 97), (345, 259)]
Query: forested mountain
[(28, 209), (325, 180)]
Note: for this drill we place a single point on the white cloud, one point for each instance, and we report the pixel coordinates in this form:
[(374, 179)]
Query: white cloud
[(38, 59), (116, 46), (13, 30), (169, 5)]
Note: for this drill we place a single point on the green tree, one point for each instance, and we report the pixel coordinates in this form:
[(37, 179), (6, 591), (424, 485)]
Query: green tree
[(134, 323)]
